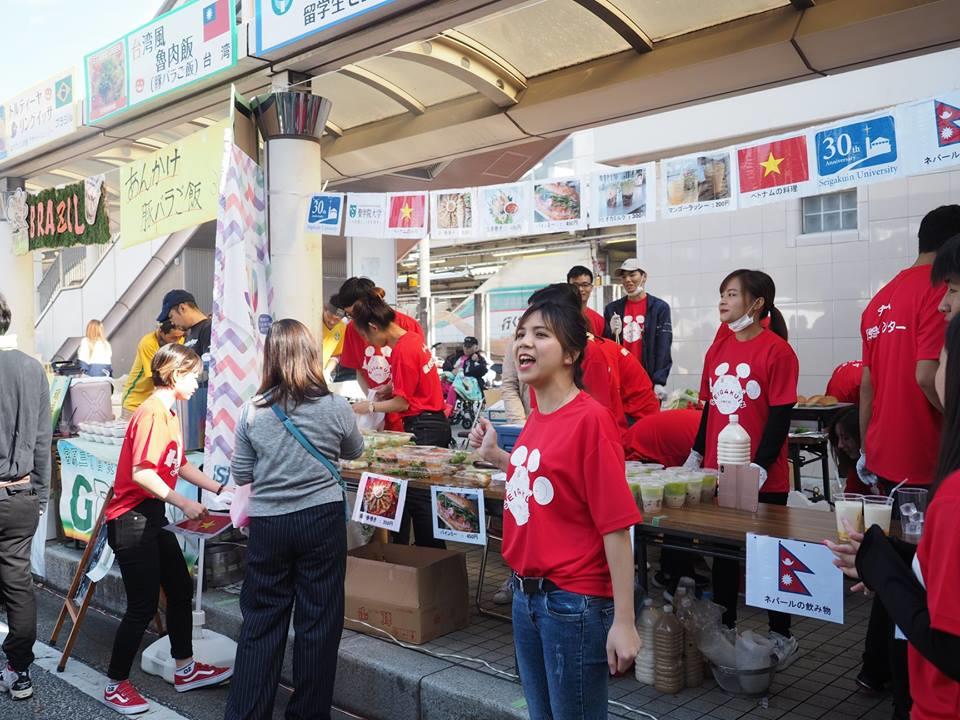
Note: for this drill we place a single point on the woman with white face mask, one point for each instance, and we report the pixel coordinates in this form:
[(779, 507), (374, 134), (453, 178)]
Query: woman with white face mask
[(750, 372)]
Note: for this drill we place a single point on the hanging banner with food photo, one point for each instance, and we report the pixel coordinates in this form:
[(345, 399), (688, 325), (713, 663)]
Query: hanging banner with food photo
[(559, 205), (774, 169), (623, 197), (504, 210), (698, 184), (452, 214), (407, 215), (366, 215), (855, 151), (380, 501), (458, 514)]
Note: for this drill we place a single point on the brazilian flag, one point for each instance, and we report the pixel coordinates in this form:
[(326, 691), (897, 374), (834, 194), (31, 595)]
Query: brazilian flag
[(63, 91)]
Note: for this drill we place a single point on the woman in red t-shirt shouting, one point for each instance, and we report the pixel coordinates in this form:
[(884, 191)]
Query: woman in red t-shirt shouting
[(149, 557), (417, 398), (566, 516), (751, 372), (917, 585)]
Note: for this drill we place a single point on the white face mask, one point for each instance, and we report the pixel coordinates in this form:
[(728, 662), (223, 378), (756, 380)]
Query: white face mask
[(743, 322)]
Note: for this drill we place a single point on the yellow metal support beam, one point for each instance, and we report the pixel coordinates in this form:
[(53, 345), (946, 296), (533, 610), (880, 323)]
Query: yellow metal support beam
[(381, 84)]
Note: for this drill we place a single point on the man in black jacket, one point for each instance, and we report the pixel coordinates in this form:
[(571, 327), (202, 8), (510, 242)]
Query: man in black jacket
[(641, 323), (25, 432)]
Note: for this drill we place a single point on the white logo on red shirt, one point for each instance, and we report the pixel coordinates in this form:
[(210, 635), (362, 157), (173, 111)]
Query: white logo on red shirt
[(431, 363), (727, 393), (633, 327), (377, 367), (883, 327), (518, 489)]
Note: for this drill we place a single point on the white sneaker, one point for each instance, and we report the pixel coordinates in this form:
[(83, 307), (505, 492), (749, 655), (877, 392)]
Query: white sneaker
[(787, 649), (504, 596), (18, 684)]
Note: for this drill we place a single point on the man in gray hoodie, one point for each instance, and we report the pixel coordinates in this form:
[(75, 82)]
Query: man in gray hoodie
[(25, 432)]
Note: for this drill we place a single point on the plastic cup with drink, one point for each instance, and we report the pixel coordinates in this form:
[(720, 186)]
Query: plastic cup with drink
[(849, 511), (912, 506), (877, 510)]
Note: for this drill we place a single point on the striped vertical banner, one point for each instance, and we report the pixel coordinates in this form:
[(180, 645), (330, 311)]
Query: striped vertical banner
[(242, 302)]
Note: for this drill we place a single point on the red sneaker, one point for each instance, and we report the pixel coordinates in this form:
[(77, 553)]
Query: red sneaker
[(201, 676), (125, 699)]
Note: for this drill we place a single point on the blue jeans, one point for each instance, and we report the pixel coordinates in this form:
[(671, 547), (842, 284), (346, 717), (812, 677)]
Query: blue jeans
[(561, 643)]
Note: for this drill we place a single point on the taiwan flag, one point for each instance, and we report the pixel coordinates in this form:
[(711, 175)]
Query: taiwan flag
[(772, 164), (948, 123), (407, 213), (216, 19)]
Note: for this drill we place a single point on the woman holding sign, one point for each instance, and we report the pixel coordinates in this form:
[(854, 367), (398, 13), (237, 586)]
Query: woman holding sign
[(566, 516), (287, 440), (149, 557)]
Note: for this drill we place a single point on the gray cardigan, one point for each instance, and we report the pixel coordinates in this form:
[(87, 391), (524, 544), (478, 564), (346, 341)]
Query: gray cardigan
[(285, 477)]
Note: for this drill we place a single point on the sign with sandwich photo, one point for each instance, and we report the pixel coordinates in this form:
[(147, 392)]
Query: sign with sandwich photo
[(458, 514)]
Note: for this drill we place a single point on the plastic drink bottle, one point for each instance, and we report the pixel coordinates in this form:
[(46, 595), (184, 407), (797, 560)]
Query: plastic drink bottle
[(733, 444), (668, 653), (644, 664)]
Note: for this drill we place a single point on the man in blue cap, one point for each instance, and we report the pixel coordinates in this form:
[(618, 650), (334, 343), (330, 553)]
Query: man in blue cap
[(180, 308)]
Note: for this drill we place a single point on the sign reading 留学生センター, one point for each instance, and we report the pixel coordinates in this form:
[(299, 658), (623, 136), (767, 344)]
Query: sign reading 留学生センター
[(36, 116), (281, 22), (793, 577), (174, 188), (178, 48)]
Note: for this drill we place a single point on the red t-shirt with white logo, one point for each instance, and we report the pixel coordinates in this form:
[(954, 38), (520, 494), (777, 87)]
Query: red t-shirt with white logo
[(371, 361), (747, 379), (415, 376), (900, 327), (639, 399), (936, 696), (567, 489), (634, 317), (154, 439), (844, 384), (594, 321), (664, 438)]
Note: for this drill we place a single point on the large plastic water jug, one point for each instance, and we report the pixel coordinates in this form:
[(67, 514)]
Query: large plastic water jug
[(733, 444)]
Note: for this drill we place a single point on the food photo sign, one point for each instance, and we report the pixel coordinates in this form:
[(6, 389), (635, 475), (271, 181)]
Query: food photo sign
[(504, 210), (452, 214), (380, 501), (624, 197), (698, 184), (458, 514), (558, 205)]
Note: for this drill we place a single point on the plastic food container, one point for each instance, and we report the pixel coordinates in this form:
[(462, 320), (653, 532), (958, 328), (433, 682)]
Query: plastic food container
[(675, 492), (745, 683), (651, 496), (708, 485), (694, 488)]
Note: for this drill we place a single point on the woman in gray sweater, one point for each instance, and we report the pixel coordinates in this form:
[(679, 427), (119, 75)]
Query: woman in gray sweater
[(296, 554)]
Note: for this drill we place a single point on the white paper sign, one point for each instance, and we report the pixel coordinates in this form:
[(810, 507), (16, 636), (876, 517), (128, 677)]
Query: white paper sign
[(700, 183), (38, 115), (793, 577), (929, 133), (504, 210), (623, 196), (366, 215), (380, 501), (453, 214), (280, 22), (559, 205), (855, 151), (458, 514)]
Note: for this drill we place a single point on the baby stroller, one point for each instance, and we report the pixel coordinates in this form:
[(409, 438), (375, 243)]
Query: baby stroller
[(466, 396)]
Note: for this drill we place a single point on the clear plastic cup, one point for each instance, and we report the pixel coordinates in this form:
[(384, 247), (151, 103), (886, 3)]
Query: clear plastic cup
[(675, 492), (651, 494), (708, 484), (877, 510), (694, 488), (849, 510), (912, 507)]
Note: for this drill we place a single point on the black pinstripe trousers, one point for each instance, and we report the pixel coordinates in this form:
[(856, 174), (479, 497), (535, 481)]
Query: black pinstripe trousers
[(295, 563)]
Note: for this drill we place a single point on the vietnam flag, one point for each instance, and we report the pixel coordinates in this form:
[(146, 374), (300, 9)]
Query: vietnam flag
[(407, 212), (774, 163)]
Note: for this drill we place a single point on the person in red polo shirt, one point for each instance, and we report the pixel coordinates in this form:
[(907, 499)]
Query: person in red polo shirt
[(844, 384), (371, 363), (567, 511), (582, 279), (752, 374), (900, 413), (416, 397)]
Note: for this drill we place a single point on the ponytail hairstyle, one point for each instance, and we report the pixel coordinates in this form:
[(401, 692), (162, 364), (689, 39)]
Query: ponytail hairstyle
[(370, 309), (949, 461), (559, 306), (756, 284)]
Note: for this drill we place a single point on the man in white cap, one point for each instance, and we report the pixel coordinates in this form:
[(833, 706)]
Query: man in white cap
[(641, 323)]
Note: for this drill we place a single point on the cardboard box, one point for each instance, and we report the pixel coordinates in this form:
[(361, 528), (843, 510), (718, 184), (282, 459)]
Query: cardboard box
[(415, 594)]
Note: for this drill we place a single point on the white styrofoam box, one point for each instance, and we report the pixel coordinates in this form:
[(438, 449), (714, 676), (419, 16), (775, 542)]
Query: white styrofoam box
[(846, 317), (888, 200), (775, 250), (715, 252), (846, 349), (746, 221), (715, 225), (927, 192), (883, 270), (816, 356), (892, 239), (851, 280), (812, 320), (747, 249), (774, 217), (685, 257)]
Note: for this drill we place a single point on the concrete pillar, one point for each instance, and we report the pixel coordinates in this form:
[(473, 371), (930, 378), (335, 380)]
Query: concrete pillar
[(292, 123), (480, 317), (16, 278), (425, 307)]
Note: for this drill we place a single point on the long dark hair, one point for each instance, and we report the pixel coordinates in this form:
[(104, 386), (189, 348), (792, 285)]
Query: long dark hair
[(370, 309), (559, 306), (757, 284), (849, 420), (292, 366), (949, 461)]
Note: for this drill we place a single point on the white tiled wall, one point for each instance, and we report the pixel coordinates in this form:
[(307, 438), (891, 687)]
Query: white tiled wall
[(823, 281)]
